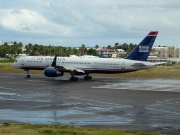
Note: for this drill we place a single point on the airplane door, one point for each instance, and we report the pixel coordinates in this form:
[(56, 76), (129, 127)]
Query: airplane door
[(47, 62), (122, 65), (22, 61), (95, 64)]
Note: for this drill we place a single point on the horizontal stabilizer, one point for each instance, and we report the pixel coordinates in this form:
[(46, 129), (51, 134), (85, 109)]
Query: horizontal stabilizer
[(159, 63)]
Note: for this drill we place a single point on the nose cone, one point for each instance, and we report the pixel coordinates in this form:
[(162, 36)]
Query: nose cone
[(14, 65)]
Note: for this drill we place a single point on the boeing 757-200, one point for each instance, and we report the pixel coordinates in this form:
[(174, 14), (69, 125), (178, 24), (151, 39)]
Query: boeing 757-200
[(56, 66)]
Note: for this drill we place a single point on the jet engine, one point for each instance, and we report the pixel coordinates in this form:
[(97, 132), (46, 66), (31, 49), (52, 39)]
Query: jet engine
[(52, 72)]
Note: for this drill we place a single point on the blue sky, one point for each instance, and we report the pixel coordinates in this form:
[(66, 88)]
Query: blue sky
[(89, 22)]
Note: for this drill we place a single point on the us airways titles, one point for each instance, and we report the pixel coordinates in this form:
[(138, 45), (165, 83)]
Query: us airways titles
[(50, 58)]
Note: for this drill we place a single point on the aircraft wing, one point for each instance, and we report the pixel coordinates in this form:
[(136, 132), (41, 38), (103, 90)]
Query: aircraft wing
[(63, 68)]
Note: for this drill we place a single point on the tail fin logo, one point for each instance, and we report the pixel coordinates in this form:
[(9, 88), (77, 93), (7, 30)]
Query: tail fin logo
[(143, 48)]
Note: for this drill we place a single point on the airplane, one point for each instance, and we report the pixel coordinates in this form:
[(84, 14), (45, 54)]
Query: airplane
[(54, 66)]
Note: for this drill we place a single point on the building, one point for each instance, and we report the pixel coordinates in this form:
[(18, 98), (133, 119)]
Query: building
[(170, 52), (164, 53), (10, 43), (118, 54), (1, 43), (23, 48), (104, 51), (156, 51)]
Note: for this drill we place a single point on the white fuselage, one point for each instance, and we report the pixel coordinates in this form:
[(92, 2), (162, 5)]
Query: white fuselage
[(88, 65)]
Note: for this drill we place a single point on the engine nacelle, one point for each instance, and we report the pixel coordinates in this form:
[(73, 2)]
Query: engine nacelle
[(52, 72)]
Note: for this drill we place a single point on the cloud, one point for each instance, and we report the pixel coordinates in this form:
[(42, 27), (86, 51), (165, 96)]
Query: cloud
[(30, 22), (83, 20)]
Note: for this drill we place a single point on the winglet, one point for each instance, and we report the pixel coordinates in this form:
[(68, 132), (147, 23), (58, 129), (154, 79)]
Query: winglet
[(141, 52), (54, 61)]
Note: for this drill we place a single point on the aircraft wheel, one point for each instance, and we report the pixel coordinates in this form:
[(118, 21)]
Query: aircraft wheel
[(28, 76), (85, 78), (73, 79)]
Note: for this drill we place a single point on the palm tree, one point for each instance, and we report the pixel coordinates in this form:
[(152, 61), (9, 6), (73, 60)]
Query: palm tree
[(83, 49), (96, 46)]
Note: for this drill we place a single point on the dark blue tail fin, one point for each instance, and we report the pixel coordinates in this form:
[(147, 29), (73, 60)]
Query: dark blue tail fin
[(141, 52)]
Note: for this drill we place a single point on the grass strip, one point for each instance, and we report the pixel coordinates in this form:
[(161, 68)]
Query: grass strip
[(29, 129)]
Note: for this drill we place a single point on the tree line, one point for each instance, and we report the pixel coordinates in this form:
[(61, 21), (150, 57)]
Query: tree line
[(41, 50)]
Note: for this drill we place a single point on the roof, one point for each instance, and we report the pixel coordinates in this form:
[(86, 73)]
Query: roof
[(105, 50), (117, 53)]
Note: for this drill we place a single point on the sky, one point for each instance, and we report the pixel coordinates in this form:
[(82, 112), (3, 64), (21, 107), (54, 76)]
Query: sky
[(72, 23)]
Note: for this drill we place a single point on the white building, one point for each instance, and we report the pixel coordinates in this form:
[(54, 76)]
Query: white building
[(170, 52), (164, 53), (1, 43)]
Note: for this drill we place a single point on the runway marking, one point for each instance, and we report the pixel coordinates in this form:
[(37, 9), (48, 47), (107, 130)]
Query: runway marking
[(137, 88), (151, 109), (129, 106), (26, 91), (8, 88), (37, 81), (7, 94)]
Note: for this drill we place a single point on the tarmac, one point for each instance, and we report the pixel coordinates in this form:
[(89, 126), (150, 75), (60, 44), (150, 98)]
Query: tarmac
[(115, 103)]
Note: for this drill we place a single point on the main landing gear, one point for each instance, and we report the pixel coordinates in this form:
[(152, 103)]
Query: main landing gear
[(87, 77), (76, 78), (73, 78)]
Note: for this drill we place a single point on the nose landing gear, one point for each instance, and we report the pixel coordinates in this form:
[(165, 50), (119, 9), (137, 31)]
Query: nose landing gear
[(27, 74)]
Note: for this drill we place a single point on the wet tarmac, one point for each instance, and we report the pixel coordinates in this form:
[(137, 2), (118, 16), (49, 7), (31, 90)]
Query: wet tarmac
[(114, 103)]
